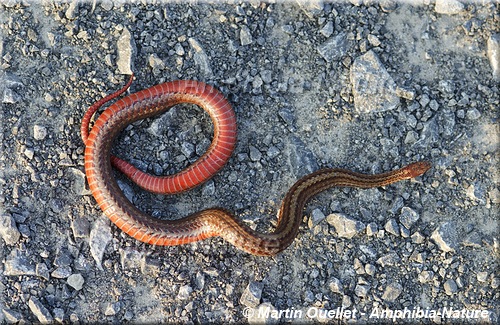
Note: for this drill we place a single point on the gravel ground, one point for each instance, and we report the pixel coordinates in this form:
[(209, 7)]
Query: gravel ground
[(313, 85)]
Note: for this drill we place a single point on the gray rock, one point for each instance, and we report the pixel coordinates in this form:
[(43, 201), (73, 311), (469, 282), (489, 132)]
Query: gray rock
[(39, 310), (184, 292), (405, 93), (77, 179), (12, 84), (370, 269), (273, 152), (335, 285), (316, 217), (58, 315), (252, 294), (448, 7), (374, 89), (130, 258), (39, 132), (301, 158), (392, 291), (107, 5), (405, 233), (389, 259), (327, 29), (257, 84), (12, 316), (179, 50), (72, 10), (126, 50), (361, 290), (311, 8), (17, 263), (344, 226), (155, 62), (482, 276), (335, 48), (446, 237), (63, 257), (80, 227), (288, 117), (388, 5), (127, 190), (392, 227), (10, 96), (200, 58), (425, 276), (208, 188), (450, 287), (100, 235), (373, 39), (494, 195), (42, 271), (495, 283), (493, 53), (8, 229), (371, 229), (61, 272), (245, 36), (417, 238), (187, 149), (408, 217), (255, 154), (112, 309), (473, 239), (150, 266), (199, 281), (76, 281), (473, 114), (266, 76)]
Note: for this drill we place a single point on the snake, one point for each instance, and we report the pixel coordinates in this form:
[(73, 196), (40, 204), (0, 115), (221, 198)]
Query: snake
[(206, 223)]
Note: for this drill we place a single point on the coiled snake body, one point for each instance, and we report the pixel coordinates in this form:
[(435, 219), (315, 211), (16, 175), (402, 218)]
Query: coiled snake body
[(210, 222)]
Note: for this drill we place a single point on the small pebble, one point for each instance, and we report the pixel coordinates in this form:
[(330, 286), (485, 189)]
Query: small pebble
[(252, 294), (39, 132), (76, 281)]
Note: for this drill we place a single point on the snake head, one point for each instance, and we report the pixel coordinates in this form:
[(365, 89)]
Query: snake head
[(416, 169)]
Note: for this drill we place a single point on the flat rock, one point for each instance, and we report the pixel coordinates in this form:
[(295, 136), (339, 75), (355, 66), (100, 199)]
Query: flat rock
[(344, 226), (100, 235), (76, 281), (408, 217), (392, 291), (8, 229), (17, 264), (126, 50), (493, 53), (245, 36), (446, 237), (448, 7), (374, 89), (200, 58), (392, 227), (39, 310), (334, 48), (252, 294), (12, 316)]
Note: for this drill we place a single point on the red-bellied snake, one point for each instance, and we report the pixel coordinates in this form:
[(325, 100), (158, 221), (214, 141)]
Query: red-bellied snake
[(210, 222)]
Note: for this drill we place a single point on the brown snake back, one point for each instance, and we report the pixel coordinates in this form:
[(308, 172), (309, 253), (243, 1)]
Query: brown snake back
[(210, 222)]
